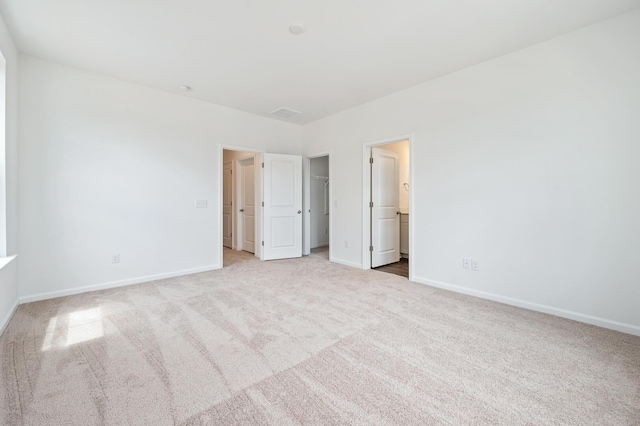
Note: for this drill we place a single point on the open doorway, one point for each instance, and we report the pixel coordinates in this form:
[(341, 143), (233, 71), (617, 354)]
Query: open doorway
[(261, 203), (239, 201), (319, 205), (387, 197)]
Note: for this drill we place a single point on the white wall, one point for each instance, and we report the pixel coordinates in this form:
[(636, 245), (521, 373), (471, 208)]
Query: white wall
[(9, 180), (319, 220), (527, 163), (112, 167)]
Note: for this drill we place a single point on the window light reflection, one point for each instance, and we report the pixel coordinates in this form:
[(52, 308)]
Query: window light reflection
[(82, 326)]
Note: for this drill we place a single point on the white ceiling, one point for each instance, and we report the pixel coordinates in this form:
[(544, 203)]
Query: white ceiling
[(239, 53)]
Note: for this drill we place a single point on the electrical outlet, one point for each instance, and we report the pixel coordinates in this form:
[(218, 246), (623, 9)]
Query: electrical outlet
[(474, 265), (115, 258), (202, 204), (466, 263)]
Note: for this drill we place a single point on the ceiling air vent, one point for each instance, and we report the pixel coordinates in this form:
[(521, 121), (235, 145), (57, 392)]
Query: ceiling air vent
[(285, 112)]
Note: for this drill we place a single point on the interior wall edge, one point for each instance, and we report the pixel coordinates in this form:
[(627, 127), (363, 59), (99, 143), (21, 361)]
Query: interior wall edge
[(558, 312), (114, 284), (9, 316)]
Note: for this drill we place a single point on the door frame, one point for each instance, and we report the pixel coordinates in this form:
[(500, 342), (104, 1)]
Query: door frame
[(366, 197), (258, 155), (306, 203)]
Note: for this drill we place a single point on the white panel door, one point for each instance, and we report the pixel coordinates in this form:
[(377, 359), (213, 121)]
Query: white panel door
[(257, 160), (385, 212), (306, 206), (227, 223), (248, 205), (282, 215)]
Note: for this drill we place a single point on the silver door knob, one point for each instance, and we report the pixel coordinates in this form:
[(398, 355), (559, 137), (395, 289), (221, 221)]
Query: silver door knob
[(241, 210), (398, 212), (299, 211)]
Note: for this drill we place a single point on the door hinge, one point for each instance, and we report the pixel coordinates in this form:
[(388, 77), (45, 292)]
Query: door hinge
[(371, 204), (263, 164), (230, 172), (263, 204), (263, 244), (371, 248), (371, 160)]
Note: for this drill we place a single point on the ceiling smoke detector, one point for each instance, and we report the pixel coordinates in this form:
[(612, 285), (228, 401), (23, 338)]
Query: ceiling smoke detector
[(285, 112), (296, 29)]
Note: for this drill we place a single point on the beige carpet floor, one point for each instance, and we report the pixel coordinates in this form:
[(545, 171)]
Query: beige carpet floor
[(307, 342)]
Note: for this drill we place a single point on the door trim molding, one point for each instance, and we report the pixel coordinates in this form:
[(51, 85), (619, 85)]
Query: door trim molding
[(366, 191)]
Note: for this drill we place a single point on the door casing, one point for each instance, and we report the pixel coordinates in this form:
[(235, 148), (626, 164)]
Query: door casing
[(366, 191)]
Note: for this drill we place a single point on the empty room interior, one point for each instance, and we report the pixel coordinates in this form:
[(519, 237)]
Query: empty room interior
[(285, 212)]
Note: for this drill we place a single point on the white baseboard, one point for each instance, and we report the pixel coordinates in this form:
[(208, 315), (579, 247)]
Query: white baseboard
[(345, 263), (576, 316), (114, 284), (7, 318)]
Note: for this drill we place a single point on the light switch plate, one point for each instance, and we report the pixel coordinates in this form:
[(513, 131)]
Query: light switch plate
[(202, 204), (466, 263), (474, 265)]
